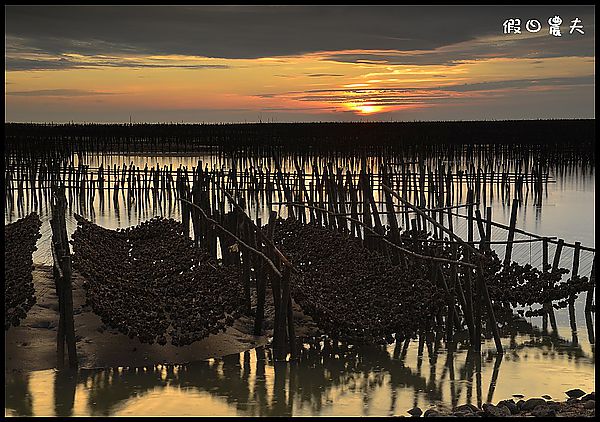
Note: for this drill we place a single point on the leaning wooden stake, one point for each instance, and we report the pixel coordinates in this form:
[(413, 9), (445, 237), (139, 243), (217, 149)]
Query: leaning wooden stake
[(481, 282), (548, 305), (555, 265), (571, 300), (590, 293), (490, 310), (511, 231), (62, 274)]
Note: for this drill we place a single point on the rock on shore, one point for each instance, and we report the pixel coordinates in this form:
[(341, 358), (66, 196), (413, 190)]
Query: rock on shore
[(578, 404)]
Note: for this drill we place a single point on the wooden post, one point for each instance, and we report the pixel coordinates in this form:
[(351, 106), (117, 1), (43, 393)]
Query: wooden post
[(62, 269), (455, 319), (393, 223), (555, 263), (366, 209), (548, 305), (355, 228), (451, 301), (287, 297), (488, 227), (571, 300), (589, 320), (511, 231), (470, 217), (590, 293), (245, 274), (255, 239), (279, 331), (490, 311), (482, 234), (471, 319)]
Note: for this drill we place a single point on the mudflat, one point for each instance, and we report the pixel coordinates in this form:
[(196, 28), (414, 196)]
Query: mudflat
[(32, 345)]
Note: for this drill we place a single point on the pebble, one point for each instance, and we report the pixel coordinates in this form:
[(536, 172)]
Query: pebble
[(415, 411), (531, 404), (590, 396), (575, 393), (510, 405), (40, 324), (537, 407), (467, 407), (589, 404), (430, 413), (543, 411), (496, 411)]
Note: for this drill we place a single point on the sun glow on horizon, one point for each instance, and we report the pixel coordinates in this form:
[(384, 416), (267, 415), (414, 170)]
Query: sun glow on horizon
[(365, 108)]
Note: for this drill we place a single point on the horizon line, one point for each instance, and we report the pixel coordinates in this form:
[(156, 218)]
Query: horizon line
[(53, 123)]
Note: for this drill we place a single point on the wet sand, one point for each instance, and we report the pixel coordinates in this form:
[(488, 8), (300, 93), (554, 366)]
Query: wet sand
[(32, 345)]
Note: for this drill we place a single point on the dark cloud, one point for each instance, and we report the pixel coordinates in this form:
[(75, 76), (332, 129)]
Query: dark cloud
[(267, 31), (331, 108), (394, 96), (322, 75), (45, 62), (507, 46), (17, 63), (521, 83)]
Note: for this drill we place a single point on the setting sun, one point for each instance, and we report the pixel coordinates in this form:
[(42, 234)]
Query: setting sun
[(365, 108)]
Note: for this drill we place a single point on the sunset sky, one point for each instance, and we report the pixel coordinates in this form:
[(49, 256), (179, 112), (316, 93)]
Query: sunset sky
[(284, 63)]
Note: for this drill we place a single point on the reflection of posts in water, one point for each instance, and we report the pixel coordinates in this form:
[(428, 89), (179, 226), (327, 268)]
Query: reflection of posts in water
[(230, 381), (494, 379), (393, 399), (293, 367), (280, 405), (420, 352), (478, 377), (247, 370), (17, 396), (450, 366), (469, 374), (65, 384), (513, 340), (432, 364), (260, 385)]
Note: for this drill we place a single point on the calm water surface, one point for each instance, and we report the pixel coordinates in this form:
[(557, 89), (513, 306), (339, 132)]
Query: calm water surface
[(377, 381)]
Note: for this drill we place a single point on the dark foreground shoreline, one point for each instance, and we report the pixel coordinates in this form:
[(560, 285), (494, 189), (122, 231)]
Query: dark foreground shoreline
[(579, 404)]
